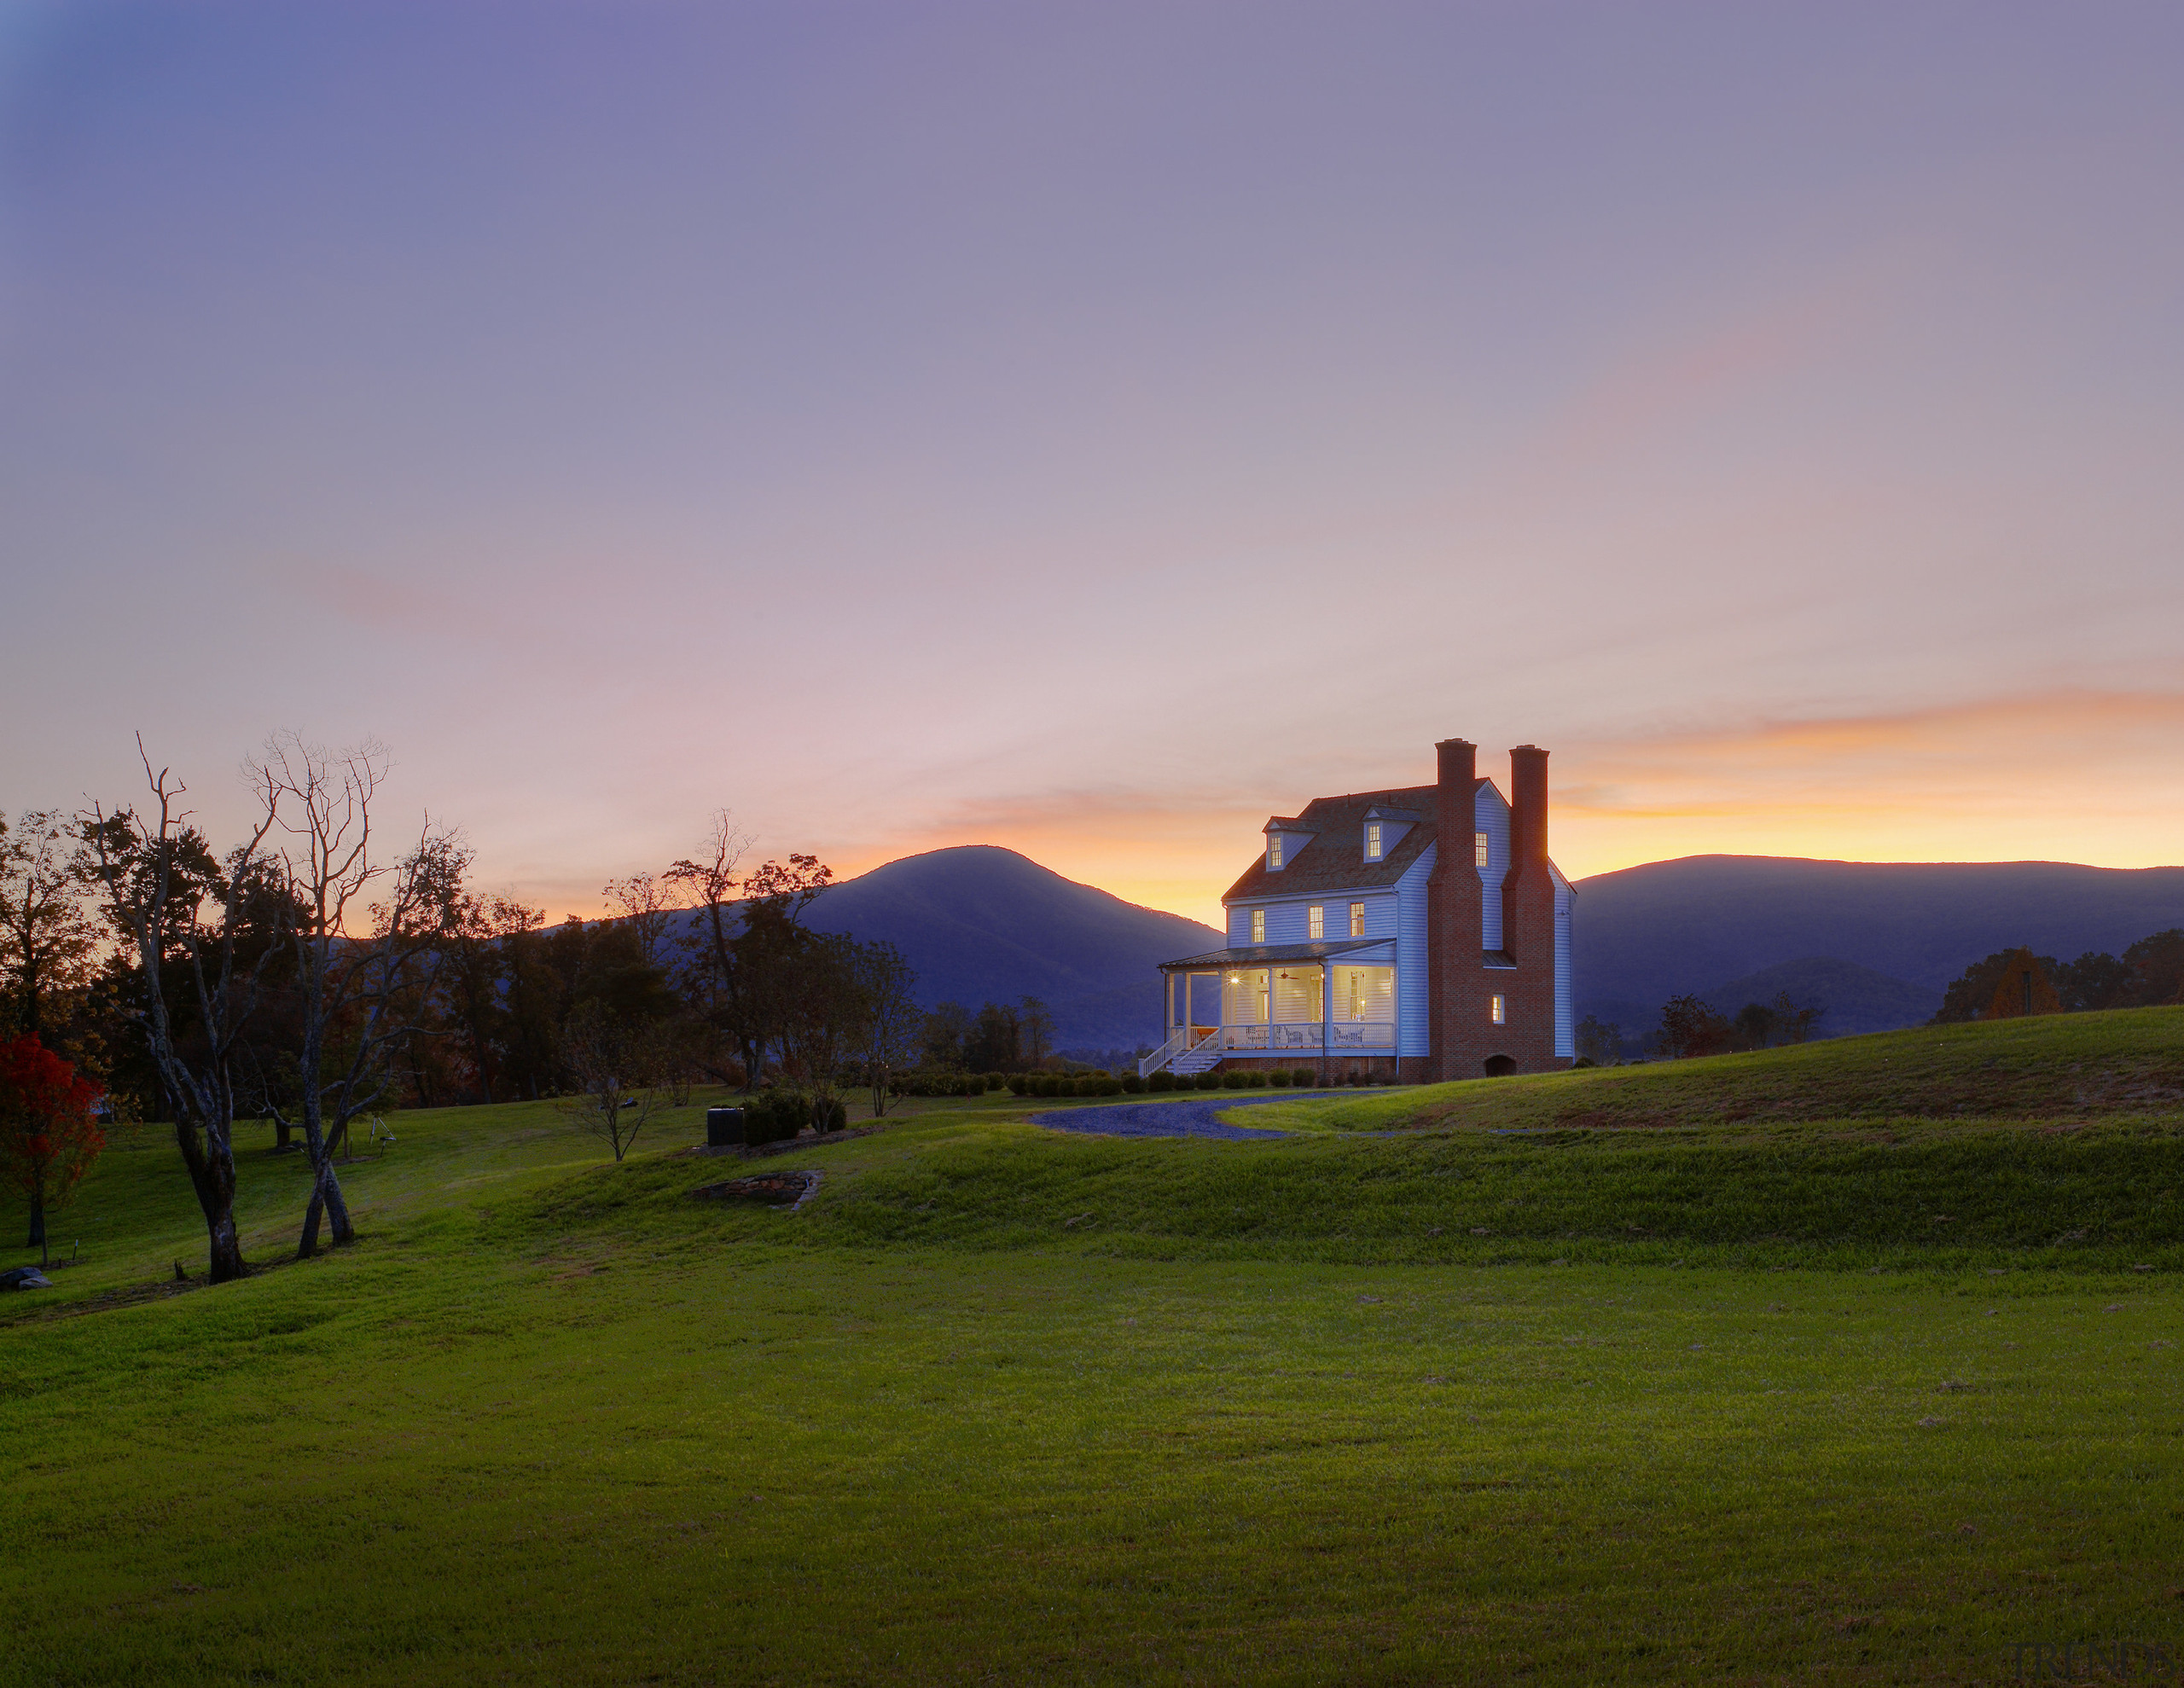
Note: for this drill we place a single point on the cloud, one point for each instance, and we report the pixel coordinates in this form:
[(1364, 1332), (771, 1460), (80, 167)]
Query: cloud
[(2061, 772)]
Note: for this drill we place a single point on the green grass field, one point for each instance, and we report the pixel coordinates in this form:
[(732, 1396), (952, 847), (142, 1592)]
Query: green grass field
[(1784, 1367)]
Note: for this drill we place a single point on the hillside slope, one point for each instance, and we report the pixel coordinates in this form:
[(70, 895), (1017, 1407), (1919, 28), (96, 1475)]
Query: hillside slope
[(1645, 934), (981, 923)]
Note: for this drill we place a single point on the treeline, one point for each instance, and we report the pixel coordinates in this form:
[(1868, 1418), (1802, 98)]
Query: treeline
[(306, 974), (1690, 1026), (2148, 974)]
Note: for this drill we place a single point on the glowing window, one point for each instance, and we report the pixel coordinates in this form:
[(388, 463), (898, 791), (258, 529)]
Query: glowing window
[(1316, 922), (1479, 848), (1274, 851), (1357, 920), (1372, 841), (1259, 926), (1498, 1008)]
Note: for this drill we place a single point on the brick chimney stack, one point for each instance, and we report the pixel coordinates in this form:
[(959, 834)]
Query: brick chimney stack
[(1528, 808), (1456, 989), (1528, 913)]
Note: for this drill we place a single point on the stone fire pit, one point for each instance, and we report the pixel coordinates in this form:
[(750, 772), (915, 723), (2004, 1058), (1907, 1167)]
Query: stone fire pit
[(786, 1191)]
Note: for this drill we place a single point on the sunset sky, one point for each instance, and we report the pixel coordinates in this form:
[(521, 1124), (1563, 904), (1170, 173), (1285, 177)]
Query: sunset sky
[(1093, 428)]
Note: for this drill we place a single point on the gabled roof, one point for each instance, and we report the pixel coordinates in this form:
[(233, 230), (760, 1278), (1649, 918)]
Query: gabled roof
[(1334, 859)]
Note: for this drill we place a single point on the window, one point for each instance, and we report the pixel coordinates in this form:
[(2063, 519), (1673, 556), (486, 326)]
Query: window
[(1316, 922), (1372, 841), (1479, 849), (1273, 851), (1366, 994), (1258, 924), (1497, 1009), (1357, 920)]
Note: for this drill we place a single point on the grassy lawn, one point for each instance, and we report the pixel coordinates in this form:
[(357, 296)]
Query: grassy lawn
[(1005, 1404)]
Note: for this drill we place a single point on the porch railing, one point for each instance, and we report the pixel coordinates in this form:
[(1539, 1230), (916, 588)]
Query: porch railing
[(1306, 1035)]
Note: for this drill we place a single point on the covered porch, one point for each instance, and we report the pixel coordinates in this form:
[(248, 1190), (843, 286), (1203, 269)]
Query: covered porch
[(1279, 1003)]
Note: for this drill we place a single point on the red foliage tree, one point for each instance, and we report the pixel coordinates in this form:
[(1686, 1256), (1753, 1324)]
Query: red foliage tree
[(48, 1138)]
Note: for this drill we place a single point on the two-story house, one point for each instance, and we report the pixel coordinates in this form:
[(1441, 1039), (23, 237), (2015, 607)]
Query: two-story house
[(1421, 933)]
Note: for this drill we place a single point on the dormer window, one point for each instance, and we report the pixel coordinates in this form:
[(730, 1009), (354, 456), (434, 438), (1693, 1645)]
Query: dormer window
[(1273, 851), (1258, 923), (1372, 841)]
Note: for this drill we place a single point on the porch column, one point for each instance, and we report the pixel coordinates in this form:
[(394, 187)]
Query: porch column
[(1327, 1017)]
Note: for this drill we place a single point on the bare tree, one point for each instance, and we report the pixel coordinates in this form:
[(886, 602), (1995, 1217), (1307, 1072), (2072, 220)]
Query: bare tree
[(620, 1069), (141, 864), (888, 1016), (714, 975), (46, 940), (349, 983), (642, 900)]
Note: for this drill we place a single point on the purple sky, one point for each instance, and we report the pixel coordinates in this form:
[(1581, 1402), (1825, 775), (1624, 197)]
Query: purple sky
[(1092, 428)]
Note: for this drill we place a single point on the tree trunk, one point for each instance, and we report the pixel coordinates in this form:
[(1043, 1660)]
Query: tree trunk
[(211, 1167), (38, 1222)]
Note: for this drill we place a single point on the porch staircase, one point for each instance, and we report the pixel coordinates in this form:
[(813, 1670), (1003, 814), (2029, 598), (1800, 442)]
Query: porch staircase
[(1189, 1052)]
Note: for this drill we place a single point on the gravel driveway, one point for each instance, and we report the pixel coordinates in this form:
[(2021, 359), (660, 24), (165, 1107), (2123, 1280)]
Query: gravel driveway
[(1186, 1117)]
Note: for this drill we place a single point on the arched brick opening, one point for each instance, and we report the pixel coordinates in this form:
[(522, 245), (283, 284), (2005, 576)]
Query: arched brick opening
[(1501, 1067)]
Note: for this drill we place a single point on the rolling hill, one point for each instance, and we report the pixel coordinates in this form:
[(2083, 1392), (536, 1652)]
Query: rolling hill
[(980, 923), (1645, 934)]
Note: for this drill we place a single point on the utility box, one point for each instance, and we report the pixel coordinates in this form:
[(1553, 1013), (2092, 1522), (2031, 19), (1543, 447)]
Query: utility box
[(723, 1128)]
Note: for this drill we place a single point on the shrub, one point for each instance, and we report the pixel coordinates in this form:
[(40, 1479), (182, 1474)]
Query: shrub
[(1278, 1078), (993, 1080), (1133, 1083), (774, 1115), (1209, 1081), (1019, 1083), (1163, 1080), (1255, 1079), (830, 1115), (1111, 1085), (1304, 1077), (1233, 1079), (1046, 1084)]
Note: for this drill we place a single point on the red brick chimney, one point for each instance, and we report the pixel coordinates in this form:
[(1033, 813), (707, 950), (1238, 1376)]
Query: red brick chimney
[(1456, 987), (1528, 915)]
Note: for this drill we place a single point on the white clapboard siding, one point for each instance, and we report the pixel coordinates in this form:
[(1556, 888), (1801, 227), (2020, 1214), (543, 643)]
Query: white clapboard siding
[(1565, 1030), (1414, 1035), (1491, 817)]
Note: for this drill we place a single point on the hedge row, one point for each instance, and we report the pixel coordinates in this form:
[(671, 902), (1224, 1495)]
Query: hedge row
[(1254, 1078)]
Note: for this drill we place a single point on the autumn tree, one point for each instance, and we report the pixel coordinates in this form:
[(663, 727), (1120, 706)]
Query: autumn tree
[(475, 977), (148, 867), (48, 1136), (1689, 1027)]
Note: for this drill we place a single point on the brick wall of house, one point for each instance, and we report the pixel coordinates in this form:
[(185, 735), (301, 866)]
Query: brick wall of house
[(1528, 919), (1457, 993)]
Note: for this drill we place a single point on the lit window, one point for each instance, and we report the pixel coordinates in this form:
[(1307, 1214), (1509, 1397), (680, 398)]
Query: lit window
[(1274, 851), (1479, 848), (1316, 922), (1372, 841), (1357, 920), (1498, 1007), (1259, 926)]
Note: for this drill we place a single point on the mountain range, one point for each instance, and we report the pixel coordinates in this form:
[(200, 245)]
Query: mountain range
[(1872, 940), (1876, 943)]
